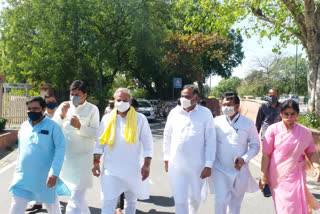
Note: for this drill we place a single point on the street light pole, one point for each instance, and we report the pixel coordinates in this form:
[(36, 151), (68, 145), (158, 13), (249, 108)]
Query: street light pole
[(295, 72)]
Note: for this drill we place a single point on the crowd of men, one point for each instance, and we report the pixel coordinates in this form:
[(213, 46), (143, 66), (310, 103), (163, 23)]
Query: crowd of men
[(59, 156)]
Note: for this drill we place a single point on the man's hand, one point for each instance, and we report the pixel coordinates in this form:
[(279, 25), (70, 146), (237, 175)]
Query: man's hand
[(166, 165), (96, 170), (238, 163), (51, 181), (206, 172), (145, 170), (75, 122), (64, 109)]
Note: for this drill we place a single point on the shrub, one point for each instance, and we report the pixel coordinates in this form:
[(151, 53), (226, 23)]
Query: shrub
[(3, 122), (309, 120)]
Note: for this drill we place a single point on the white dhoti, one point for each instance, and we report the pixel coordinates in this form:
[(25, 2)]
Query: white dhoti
[(229, 190), (188, 189), (19, 205)]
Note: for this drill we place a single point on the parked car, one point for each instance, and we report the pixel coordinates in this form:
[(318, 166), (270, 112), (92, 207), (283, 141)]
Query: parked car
[(289, 96), (146, 108)]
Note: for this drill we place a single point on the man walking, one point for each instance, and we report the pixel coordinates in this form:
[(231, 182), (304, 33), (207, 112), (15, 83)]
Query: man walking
[(237, 144), (79, 121), (189, 145), (122, 135), (269, 113), (41, 153)]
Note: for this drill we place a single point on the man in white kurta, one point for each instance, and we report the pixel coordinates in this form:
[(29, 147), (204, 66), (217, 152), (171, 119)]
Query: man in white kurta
[(237, 144), (123, 167), (79, 121), (189, 150)]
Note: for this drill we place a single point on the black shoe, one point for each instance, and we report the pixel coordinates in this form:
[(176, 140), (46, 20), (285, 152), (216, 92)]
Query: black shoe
[(34, 207)]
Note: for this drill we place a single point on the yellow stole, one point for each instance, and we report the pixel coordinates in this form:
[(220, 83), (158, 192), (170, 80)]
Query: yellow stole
[(130, 130)]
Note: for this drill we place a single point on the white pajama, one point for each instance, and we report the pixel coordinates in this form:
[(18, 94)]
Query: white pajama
[(77, 203), (109, 206), (19, 205), (189, 147)]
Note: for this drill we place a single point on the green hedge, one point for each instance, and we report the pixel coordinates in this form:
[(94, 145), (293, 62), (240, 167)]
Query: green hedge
[(3, 122)]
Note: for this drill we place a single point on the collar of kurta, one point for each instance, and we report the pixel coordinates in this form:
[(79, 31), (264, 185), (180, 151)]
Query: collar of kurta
[(234, 120), (196, 108), (79, 106)]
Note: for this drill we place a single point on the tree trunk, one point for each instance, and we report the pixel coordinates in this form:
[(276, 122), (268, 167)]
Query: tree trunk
[(201, 89)]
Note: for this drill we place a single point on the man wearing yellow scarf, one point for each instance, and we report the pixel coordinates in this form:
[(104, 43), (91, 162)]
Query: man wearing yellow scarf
[(125, 140)]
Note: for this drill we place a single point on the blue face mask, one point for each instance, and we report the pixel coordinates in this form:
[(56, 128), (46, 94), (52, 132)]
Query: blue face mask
[(271, 100), (34, 116), (51, 105), (76, 100)]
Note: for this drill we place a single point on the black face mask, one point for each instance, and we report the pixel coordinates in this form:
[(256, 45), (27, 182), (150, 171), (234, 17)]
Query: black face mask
[(34, 116), (51, 105)]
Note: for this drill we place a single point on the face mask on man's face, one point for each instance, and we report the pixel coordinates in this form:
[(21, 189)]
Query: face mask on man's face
[(76, 100), (51, 105), (272, 100), (122, 106), (34, 116), (185, 103), (228, 110)]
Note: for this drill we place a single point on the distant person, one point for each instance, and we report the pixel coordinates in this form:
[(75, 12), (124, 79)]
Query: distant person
[(203, 103), (237, 143), (79, 121), (269, 113), (124, 138), (51, 106), (41, 152), (189, 145), (110, 107), (286, 147)]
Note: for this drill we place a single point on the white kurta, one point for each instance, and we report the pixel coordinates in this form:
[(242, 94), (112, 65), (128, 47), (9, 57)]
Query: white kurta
[(189, 145), (122, 165), (236, 138), (76, 169)]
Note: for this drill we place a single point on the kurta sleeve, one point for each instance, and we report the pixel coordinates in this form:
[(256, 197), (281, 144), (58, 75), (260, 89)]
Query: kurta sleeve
[(253, 143), (56, 117), (167, 138), (91, 130), (268, 141), (146, 138), (99, 148), (210, 142), (259, 119), (59, 150)]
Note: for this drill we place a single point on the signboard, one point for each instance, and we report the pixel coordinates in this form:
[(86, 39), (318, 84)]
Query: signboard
[(177, 82)]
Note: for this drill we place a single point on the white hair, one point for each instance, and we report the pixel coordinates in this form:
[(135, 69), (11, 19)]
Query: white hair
[(122, 90)]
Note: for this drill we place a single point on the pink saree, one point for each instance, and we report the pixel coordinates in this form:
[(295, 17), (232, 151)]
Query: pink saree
[(287, 168)]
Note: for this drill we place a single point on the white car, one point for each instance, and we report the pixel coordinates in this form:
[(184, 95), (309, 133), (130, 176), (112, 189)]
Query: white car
[(146, 108), (289, 96)]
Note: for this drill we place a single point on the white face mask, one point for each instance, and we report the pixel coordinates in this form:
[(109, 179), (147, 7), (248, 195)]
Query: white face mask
[(122, 106), (185, 103), (228, 110)]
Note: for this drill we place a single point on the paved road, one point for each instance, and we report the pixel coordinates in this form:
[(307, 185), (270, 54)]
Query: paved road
[(161, 200)]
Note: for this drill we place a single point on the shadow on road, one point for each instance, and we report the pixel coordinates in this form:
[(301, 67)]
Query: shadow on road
[(153, 211), (160, 201)]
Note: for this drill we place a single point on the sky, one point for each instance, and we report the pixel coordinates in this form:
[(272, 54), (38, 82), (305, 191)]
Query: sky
[(253, 49)]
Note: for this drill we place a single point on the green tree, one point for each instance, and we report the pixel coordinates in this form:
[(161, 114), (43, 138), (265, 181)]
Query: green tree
[(226, 85)]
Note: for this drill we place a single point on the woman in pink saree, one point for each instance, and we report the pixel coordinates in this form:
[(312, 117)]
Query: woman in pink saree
[(286, 145)]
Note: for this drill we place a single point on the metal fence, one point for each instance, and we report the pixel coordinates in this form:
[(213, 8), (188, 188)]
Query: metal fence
[(14, 109)]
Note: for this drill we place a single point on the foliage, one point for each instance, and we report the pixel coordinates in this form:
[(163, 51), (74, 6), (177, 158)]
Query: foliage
[(310, 120), (32, 92), (278, 74), (3, 122), (226, 85), (140, 93)]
